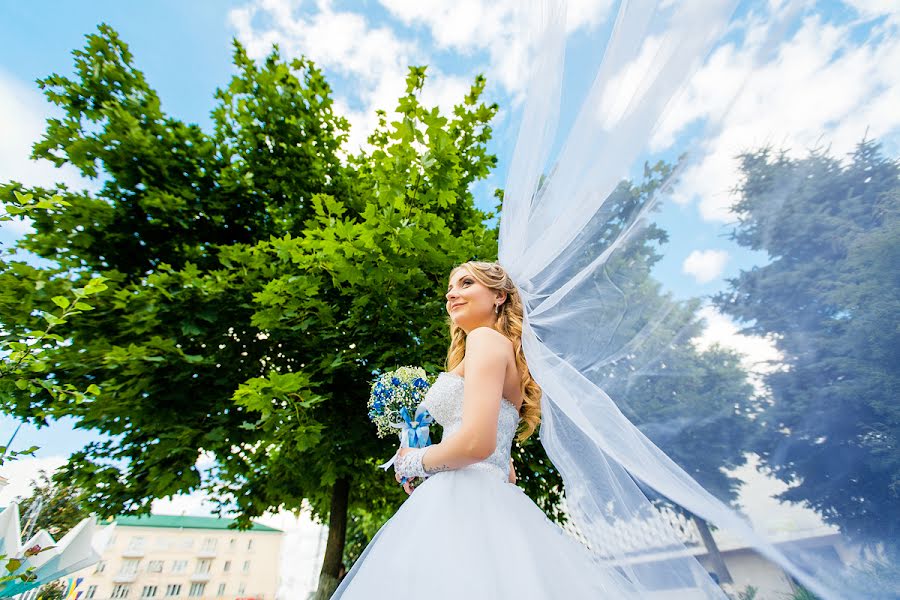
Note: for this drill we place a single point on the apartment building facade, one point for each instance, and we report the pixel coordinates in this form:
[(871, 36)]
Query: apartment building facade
[(171, 558)]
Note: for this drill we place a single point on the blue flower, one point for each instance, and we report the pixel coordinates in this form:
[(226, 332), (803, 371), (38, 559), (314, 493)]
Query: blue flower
[(420, 383), (395, 381)]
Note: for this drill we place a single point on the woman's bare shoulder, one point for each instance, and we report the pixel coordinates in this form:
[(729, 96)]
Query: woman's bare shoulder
[(489, 337), (487, 346)]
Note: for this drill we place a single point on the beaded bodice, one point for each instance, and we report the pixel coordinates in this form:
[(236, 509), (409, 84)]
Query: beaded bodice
[(445, 403)]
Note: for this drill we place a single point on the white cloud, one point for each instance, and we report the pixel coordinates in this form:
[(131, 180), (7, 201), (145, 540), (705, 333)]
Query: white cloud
[(376, 58), (23, 115), (705, 265), (495, 26), (874, 8), (759, 353), (21, 473), (823, 87), (341, 41), (196, 504), (774, 518)]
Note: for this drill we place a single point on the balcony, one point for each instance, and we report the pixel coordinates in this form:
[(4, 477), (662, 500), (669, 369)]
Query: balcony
[(207, 553), (200, 576), (123, 577), (133, 553)]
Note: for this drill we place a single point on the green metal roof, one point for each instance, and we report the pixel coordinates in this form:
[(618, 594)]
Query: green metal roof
[(177, 522)]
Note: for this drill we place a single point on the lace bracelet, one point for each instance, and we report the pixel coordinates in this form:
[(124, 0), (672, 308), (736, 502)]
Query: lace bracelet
[(410, 464)]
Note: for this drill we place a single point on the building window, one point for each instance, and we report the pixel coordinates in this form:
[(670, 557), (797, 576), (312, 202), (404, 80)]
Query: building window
[(209, 545), (101, 566), (120, 591), (130, 566), (136, 543), (155, 566), (173, 589), (149, 591), (221, 591), (179, 566), (249, 544), (231, 543), (203, 565), (242, 589), (91, 592), (163, 543), (227, 566), (187, 543), (246, 566), (196, 589)]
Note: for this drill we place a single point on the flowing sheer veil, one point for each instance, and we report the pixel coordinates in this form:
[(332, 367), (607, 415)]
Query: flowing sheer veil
[(571, 237)]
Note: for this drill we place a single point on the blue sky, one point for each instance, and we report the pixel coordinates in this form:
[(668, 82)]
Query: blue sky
[(832, 77)]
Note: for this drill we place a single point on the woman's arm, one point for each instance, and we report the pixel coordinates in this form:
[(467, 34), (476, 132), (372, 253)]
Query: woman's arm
[(512, 472), (486, 359)]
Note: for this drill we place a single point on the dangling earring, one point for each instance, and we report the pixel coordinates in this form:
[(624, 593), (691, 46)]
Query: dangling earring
[(496, 309)]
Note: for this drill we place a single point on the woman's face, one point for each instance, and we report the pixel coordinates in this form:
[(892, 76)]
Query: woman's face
[(470, 304)]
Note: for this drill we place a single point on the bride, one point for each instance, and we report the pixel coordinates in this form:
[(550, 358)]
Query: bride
[(467, 531), (564, 299)]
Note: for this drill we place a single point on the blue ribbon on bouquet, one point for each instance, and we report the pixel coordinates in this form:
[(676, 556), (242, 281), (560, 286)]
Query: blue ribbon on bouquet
[(417, 431), (414, 433)]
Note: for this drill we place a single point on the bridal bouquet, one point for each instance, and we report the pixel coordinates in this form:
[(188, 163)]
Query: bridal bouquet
[(394, 407), (393, 403)]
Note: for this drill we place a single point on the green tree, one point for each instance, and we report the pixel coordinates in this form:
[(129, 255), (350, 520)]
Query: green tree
[(256, 281), (829, 296), (32, 308), (26, 339)]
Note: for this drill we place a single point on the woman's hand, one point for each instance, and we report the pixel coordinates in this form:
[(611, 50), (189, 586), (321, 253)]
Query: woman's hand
[(408, 485), (512, 472)]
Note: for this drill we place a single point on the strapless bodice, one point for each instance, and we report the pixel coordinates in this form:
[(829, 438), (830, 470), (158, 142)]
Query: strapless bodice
[(444, 401)]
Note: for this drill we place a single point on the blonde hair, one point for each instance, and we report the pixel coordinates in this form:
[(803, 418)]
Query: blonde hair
[(509, 323)]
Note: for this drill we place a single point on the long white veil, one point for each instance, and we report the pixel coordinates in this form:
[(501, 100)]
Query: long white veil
[(569, 240)]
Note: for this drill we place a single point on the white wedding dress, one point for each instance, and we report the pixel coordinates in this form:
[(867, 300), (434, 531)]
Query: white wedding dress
[(470, 534)]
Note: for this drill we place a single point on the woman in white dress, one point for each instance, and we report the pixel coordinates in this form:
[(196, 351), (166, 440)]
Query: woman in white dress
[(467, 531)]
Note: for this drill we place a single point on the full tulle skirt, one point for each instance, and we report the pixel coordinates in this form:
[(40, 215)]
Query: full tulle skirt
[(467, 534)]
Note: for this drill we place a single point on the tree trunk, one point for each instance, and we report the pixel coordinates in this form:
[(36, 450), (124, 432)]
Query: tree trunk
[(329, 576), (715, 557)]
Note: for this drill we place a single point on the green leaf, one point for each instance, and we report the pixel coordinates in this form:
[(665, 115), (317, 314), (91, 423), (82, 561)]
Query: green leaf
[(53, 320), (61, 301), (23, 198)]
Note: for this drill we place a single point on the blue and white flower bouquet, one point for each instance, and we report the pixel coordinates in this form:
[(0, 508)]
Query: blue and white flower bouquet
[(395, 406)]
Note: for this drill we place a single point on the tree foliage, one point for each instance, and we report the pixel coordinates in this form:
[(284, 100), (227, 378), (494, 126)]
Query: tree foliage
[(32, 313), (829, 296), (257, 279), (259, 276)]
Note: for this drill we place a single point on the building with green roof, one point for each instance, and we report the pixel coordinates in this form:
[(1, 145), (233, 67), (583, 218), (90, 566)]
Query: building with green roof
[(167, 556), (184, 522)]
